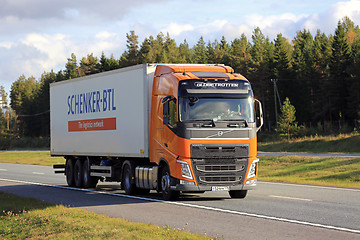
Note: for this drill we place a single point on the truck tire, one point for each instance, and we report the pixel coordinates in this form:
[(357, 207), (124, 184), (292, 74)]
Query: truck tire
[(88, 181), (78, 174), (238, 193), (128, 183), (166, 182), (69, 172)]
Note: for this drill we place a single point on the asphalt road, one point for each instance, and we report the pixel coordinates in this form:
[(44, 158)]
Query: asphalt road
[(272, 211)]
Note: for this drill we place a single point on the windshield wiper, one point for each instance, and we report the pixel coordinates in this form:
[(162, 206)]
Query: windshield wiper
[(212, 123), (236, 124)]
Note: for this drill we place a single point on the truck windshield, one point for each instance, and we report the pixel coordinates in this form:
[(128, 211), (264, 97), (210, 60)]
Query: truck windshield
[(216, 109)]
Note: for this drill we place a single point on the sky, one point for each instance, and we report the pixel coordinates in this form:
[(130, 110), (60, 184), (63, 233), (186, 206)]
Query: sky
[(37, 36)]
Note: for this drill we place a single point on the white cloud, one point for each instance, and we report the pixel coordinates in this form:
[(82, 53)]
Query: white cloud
[(175, 29), (327, 21), (37, 53), (211, 27), (350, 9), (6, 44), (53, 49)]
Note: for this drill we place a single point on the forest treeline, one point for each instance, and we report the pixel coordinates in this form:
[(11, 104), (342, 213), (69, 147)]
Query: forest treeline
[(320, 74)]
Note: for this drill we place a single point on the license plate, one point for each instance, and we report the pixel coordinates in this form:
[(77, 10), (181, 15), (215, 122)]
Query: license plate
[(216, 188)]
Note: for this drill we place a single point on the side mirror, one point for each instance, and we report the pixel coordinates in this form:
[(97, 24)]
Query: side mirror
[(166, 99), (259, 115)]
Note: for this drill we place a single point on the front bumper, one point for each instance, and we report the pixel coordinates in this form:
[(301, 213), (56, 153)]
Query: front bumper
[(249, 185)]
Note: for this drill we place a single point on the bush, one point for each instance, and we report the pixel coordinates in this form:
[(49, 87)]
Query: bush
[(24, 143)]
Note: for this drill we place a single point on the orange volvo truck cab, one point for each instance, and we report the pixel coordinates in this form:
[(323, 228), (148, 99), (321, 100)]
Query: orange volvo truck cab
[(203, 130)]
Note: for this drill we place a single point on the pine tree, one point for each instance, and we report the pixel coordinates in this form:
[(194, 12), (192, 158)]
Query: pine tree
[(200, 51), (260, 70), (214, 52), (89, 65), (286, 123), (171, 50), (146, 50), (338, 84), (303, 69), (71, 67), (322, 53), (131, 55), (22, 95), (239, 57), (225, 51), (282, 57), (186, 53)]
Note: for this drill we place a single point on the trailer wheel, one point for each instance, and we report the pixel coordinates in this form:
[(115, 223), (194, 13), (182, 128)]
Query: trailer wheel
[(88, 181), (238, 193), (78, 173), (127, 181), (166, 182), (69, 172)]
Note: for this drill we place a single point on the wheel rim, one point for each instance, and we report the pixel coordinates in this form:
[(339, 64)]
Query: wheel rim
[(165, 182), (127, 178), (69, 173), (86, 179)]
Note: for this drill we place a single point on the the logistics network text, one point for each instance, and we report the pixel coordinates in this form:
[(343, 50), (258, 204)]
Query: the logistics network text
[(91, 102)]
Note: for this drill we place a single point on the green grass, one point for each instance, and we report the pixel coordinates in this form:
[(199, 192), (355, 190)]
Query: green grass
[(340, 172), (349, 143), (32, 158), (27, 218)]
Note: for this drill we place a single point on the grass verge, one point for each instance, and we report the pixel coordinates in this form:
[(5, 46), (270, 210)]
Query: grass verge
[(27, 218), (331, 171), (343, 144), (32, 158)]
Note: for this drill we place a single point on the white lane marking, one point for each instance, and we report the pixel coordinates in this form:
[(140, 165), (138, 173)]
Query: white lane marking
[(38, 173), (3, 170), (311, 186), (291, 198), (195, 206)]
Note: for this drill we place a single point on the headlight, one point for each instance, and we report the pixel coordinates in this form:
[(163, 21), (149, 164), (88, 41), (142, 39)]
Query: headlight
[(185, 169), (252, 171)]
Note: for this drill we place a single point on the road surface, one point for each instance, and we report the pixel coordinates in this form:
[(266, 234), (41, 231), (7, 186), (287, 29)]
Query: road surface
[(272, 211)]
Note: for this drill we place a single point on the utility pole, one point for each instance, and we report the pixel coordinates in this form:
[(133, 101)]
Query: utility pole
[(276, 95)]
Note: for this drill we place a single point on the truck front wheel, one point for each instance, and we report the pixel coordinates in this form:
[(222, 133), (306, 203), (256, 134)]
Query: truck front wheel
[(238, 193), (127, 180), (166, 182)]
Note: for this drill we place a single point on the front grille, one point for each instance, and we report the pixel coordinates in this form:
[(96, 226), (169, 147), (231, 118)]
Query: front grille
[(219, 179), (219, 168), (220, 164)]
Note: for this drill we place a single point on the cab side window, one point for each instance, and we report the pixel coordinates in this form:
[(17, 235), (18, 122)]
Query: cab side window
[(170, 113)]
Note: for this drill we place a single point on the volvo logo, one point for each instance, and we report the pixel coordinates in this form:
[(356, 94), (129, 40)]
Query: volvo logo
[(220, 133)]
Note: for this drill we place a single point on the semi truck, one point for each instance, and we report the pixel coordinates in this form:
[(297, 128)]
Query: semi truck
[(172, 128)]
